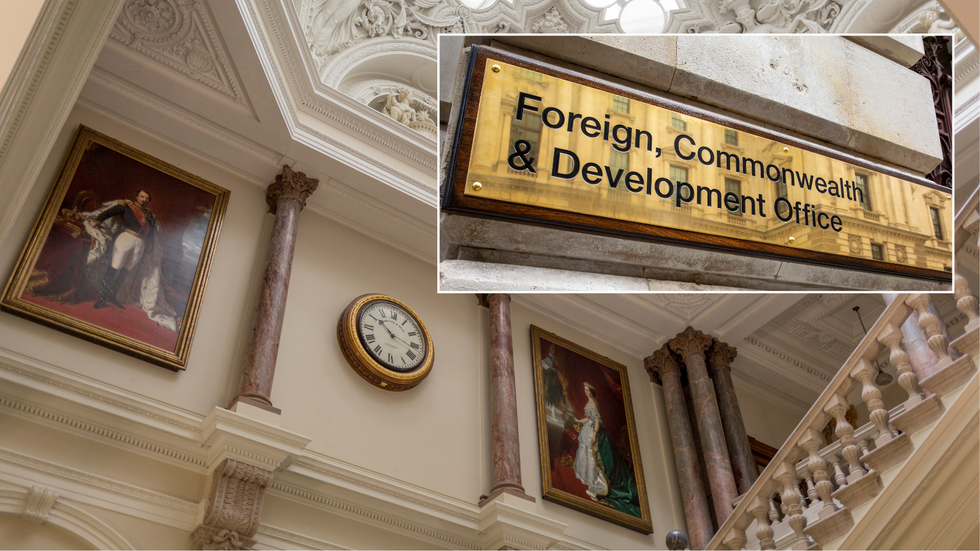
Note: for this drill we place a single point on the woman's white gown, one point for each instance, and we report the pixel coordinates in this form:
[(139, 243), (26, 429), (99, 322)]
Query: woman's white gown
[(585, 465)]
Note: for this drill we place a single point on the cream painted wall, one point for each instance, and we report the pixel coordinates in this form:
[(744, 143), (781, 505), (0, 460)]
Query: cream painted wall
[(768, 422), (214, 366), (429, 436), (651, 426), (15, 25)]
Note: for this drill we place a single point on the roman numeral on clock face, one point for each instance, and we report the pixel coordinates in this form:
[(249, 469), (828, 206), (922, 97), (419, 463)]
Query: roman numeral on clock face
[(369, 337)]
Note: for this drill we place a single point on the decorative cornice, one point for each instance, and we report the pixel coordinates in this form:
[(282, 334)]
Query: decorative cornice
[(369, 515), (293, 537), (99, 481), (788, 359)]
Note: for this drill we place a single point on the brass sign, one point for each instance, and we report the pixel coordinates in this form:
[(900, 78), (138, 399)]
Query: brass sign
[(541, 144)]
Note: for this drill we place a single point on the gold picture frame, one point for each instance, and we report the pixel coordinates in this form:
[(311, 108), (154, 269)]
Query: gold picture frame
[(590, 457), (121, 253)]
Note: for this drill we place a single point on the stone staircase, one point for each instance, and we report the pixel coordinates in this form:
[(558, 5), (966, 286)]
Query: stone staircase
[(909, 478)]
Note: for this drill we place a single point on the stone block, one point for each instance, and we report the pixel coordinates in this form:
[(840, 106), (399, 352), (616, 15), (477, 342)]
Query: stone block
[(830, 527), (919, 415), (826, 87), (645, 60), (950, 376), (889, 454), (904, 49), (467, 276), (862, 490)]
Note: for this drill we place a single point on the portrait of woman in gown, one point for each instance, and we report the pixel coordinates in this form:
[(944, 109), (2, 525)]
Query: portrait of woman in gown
[(600, 466)]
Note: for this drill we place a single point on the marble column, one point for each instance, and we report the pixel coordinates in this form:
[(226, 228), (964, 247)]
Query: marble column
[(697, 515), (720, 357), (286, 198), (506, 446), (691, 346)]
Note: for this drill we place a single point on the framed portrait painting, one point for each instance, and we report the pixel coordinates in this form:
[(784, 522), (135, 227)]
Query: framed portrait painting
[(590, 459), (121, 252)]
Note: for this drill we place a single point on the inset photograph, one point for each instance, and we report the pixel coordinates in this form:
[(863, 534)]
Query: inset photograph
[(694, 163)]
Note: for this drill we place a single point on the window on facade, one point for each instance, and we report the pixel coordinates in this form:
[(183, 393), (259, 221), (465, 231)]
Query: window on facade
[(733, 186), (877, 251), (861, 183), (937, 227), (677, 122), (677, 174), (781, 192), (731, 136), (621, 104), (529, 130), (619, 161)]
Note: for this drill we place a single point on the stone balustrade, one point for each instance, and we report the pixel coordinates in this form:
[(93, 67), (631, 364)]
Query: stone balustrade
[(804, 497)]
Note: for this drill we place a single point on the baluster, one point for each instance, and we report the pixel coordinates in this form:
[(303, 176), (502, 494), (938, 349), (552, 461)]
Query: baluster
[(811, 490), (811, 441), (932, 328), (837, 406), (863, 444), (864, 373), (839, 477), (774, 512), (760, 510), (891, 336), (792, 499), (966, 302)]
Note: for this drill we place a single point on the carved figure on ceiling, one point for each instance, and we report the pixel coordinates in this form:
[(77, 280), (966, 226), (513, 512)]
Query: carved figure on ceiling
[(934, 20), (399, 106)]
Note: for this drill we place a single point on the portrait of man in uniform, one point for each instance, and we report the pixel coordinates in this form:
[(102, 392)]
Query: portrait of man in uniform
[(119, 249), (136, 237)]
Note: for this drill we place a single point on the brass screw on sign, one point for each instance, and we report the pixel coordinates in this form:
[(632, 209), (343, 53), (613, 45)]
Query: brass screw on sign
[(785, 150), (791, 240), (477, 186), (496, 68)]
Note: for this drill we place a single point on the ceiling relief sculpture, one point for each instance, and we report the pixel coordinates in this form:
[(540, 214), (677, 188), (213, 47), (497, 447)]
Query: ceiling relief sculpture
[(181, 35)]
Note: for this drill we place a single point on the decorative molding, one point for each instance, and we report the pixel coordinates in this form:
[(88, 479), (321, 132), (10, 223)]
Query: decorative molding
[(738, 16), (266, 155), (788, 359), (402, 142), (39, 503), (294, 538), (122, 439), (366, 514), (115, 486), (181, 36)]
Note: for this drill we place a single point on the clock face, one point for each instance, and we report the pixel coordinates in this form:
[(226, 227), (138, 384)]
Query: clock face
[(392, 336)]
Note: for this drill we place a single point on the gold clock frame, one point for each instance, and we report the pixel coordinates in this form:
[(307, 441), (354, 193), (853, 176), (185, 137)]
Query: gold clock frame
[(362, 361)]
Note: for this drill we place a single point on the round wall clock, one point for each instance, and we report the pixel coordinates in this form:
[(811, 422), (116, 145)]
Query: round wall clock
[(385, 342)]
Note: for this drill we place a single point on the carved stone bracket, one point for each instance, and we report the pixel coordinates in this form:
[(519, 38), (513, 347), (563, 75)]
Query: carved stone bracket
[(233, 507), (39, 503), (289, 185)]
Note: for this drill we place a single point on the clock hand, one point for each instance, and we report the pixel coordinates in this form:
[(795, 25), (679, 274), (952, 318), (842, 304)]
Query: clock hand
[(393, 335)]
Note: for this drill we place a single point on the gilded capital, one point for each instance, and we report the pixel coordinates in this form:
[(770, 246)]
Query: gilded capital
[(690, 341), (289, 184), (721, 354), (661, 361)]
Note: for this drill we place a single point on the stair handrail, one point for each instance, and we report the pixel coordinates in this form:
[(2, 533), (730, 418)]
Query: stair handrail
[(816, 418)]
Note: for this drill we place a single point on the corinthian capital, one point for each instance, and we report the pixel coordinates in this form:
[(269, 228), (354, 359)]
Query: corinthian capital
[(290, 184), (661, 361), (690, 341), (721, 354)]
